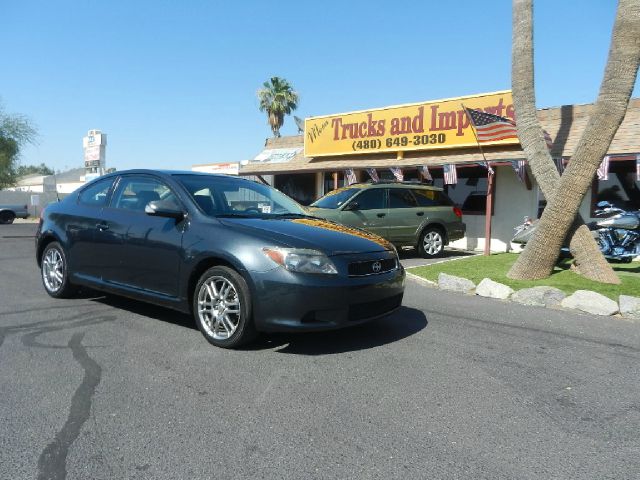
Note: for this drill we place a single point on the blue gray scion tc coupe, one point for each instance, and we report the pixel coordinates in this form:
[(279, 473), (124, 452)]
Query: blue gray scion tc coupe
[(239, 255)]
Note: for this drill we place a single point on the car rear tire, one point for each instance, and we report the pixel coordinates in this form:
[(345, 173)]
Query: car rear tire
[(431, 243), (7, 217), (54, 272), (222, 308)]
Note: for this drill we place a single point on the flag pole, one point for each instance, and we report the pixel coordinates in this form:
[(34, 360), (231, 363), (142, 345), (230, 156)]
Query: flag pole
[(490, 187)]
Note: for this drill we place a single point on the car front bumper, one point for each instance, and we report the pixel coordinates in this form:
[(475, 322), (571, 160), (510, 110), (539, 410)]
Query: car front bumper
[(287, 301)]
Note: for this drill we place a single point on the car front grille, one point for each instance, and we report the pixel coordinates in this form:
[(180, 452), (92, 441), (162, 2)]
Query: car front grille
[(362, 311), (372, 267)]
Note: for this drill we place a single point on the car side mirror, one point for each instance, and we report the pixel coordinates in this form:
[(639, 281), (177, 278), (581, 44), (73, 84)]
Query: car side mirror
[(162, 208), (351, 206)]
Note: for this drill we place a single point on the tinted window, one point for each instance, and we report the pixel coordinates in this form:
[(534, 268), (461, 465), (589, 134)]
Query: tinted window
[(134, 193), (335, 199), (96, 194), (431, 198), (371, 199), (401, 198)]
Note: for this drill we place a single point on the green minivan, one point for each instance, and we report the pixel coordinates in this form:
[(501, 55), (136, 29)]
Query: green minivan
[(405, 213)]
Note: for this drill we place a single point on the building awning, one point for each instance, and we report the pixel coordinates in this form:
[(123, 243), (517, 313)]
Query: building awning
[(565, 125)]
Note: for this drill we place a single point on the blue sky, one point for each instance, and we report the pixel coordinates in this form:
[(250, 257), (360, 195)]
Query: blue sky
[(174, 83)]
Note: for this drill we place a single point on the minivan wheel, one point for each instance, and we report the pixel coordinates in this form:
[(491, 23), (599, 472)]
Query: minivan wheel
[(222, 308), (431, 243), (55, 274), (6, 218)]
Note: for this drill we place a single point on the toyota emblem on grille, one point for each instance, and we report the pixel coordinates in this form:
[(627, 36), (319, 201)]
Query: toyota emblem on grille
[(376, 267)]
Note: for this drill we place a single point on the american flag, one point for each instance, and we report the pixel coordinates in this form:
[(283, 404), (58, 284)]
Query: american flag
[(487, 165), (397, 172), (603, 169), (350, 176), (490, 127), (373, 174), (637, 168), (424, 171), (559, 164), (519, 168), (450, 174)]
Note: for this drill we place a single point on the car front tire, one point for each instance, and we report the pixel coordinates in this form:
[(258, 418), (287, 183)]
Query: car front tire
[(222, 308), (54, 272), (431, 243)]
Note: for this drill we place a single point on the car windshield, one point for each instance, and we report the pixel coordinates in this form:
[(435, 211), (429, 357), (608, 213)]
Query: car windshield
[(219, 196), (336, 198)]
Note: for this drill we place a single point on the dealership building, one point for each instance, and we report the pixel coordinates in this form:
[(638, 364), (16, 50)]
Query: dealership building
[(438, 135)]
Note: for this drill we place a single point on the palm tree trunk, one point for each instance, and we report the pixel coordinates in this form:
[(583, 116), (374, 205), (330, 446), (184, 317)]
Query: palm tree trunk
[(588, 259), (539, 257)]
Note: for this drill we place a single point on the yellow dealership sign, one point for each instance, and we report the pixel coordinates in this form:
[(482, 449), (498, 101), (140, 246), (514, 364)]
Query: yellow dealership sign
[(418, 126)]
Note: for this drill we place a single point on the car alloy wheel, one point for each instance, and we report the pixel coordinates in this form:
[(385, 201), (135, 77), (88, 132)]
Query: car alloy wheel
[(54, 272), (222, 308), (431, 243)]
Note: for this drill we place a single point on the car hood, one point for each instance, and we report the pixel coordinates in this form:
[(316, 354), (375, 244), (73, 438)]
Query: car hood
[(329, 237)]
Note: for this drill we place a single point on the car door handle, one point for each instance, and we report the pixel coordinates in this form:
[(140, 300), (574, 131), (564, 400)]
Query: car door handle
[(102, 227), (420, 214), (380, 215)]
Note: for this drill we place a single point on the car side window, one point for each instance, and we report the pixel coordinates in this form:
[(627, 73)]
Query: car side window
[(427, 198), (96, 195), (401, 198), (370, 199), (134, 193)]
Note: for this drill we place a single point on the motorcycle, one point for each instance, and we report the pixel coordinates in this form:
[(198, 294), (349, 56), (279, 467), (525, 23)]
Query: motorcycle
[(617, 232)]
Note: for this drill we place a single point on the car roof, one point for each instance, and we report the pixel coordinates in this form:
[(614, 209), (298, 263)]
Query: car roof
[(169, 173), (392, 184)]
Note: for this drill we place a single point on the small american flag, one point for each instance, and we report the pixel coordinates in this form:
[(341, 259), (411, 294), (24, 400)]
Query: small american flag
[(450, 174), (490, 127), (519, 168), (397, 172), (350, 176), (637, 168), (559, 164), (424, 171), (603, 169), (373, 174)]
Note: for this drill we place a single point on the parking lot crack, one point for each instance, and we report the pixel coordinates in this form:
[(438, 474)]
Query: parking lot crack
[(52, 464)]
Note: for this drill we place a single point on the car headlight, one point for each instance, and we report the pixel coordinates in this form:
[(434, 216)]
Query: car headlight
[(301, 260)]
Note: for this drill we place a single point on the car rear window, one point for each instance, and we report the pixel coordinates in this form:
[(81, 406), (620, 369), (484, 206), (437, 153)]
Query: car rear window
[(431, 198)]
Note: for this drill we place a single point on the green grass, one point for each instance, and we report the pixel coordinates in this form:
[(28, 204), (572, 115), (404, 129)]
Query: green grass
[(496, 267)]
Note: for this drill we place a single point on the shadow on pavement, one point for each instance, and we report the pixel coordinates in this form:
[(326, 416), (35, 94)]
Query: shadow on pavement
[(402, 324)]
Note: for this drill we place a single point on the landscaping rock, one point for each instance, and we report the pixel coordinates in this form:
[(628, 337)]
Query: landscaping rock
[(455, 284), (590, 302), (539, 296), (489, 288), (630, 306)]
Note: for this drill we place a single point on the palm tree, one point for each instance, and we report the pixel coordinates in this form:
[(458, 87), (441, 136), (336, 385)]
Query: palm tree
[(277, 99), (588, 259), (540, 254)]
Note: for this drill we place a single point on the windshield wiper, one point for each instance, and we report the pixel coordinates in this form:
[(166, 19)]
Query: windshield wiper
[(234, 215), (295, 215)]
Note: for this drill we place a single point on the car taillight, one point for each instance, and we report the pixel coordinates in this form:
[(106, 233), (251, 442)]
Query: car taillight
[(457, 212)]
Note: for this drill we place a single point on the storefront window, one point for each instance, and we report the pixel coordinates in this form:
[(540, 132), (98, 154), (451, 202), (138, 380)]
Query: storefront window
[(470, 193), (621, 189), (300, 187)]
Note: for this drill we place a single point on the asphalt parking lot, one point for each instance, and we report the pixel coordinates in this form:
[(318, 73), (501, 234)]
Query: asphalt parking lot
[(450, 386)]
